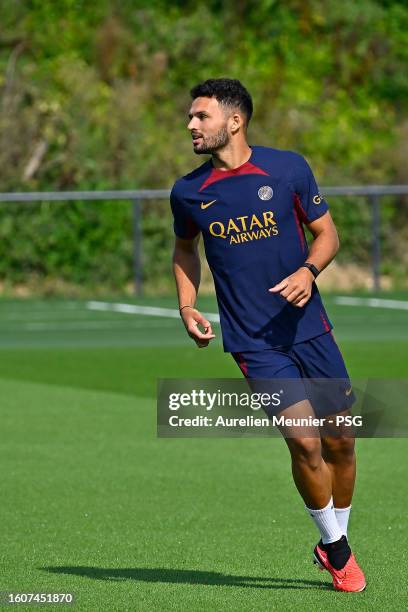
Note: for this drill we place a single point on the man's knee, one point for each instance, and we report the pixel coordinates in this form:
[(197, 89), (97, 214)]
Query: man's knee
[(306, 450), (338, 446)]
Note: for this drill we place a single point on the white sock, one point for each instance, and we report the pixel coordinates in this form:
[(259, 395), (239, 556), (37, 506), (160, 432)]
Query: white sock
[(343, 515), (326, 522)]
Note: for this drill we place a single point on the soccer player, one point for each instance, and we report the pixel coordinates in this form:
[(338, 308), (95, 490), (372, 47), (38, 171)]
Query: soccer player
[(251, 204)]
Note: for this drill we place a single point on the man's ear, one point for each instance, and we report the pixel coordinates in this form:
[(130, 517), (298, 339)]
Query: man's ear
[(236, 123)]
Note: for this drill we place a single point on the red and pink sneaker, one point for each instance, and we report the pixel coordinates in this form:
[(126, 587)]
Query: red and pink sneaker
[(350, 578)]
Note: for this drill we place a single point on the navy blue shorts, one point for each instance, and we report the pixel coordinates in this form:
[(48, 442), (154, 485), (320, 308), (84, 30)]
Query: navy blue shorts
[(313, 370)]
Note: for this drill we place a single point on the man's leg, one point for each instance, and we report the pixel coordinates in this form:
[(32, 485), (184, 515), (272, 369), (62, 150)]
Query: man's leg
[(339, 455), (323, 468), (313, 479), (311, 475), (310, 472)]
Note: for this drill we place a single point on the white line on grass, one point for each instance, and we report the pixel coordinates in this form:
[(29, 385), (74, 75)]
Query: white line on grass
[(91, 325), (153, 311), (371, 302)]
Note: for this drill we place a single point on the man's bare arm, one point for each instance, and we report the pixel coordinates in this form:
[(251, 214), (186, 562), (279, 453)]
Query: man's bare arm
[(325, 242), (187, 273), (297, 287), (187, 270)]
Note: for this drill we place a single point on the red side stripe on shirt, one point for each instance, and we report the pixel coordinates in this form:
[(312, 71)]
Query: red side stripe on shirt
[(297, 213), (324, 321), (299, 209)]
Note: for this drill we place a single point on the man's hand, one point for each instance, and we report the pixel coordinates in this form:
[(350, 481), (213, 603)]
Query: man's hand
[(296, 288), (192, 318)]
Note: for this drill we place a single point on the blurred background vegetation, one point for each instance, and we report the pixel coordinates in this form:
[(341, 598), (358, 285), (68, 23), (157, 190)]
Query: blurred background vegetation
[(95, 96)]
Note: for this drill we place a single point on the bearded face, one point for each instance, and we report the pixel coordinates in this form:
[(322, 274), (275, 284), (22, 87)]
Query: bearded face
[(208, 126)]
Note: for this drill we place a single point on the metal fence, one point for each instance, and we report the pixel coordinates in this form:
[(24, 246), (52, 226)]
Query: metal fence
[(373, 193)]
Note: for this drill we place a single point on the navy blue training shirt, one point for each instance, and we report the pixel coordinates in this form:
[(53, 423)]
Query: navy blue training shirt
[(251, 219)]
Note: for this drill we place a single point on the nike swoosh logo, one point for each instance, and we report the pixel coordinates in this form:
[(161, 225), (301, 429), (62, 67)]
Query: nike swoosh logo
[(348, 392), (203, 206)]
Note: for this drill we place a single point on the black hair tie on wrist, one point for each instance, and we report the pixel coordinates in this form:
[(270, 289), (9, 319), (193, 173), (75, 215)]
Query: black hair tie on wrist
[(186, 306)]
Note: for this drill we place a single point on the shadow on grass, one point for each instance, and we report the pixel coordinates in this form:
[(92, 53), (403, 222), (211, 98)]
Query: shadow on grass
[(185, 576)]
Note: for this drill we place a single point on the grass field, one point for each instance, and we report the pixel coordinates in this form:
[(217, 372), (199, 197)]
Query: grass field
[(94, 504)]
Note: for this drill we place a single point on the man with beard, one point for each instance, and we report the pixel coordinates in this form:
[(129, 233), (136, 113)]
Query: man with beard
[(251, 203)]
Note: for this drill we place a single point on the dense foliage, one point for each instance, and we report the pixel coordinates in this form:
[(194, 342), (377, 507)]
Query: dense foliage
[(95, 96)]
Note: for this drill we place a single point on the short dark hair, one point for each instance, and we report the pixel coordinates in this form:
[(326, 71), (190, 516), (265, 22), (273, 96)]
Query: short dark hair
[(229, 92)]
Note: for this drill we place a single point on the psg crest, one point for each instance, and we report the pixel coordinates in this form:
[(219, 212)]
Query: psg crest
[(265, 192)]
